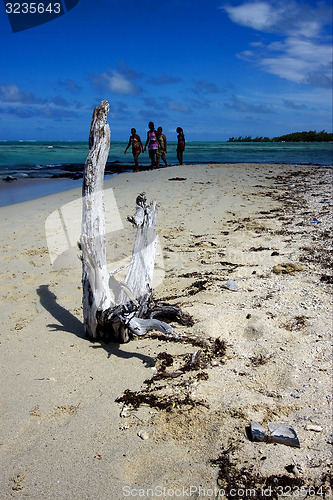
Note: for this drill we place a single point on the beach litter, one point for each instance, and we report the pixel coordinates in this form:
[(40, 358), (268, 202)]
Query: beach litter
[(277, 433), (231, 285)]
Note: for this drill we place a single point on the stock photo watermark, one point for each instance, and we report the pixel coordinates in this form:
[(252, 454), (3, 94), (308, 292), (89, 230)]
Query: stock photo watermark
[(219, 493), (26, 15), (63, 231)]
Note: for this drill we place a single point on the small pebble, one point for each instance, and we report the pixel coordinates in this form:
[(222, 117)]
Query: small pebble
[(231, 285), (125, 412), (315, 428), (143, 435)]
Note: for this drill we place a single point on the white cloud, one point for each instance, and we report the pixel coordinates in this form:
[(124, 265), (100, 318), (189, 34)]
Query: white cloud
[(281, 17), (70, 85), (257, 15), (247, 107), (285, 67), (13, 94), (205, 87), (247, 55), (304, 55), (23, 104), (118, 82), (298, 59), (164, 79), (176, 106)]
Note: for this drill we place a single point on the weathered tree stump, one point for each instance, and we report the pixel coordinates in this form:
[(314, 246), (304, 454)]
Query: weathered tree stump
[(131, 310)]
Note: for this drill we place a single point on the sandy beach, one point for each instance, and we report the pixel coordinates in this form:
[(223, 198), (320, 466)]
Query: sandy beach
[(63, 434)]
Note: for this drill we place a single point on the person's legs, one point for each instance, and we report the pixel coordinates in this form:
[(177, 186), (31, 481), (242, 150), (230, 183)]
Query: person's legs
[(180, 156), (164, 159), (158, 160), (136, 162), (152, 153)]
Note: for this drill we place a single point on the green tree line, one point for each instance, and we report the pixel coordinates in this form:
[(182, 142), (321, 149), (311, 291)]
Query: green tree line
[(311, 136)]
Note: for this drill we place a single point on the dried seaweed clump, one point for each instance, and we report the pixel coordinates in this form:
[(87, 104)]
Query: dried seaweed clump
[(186, 369)]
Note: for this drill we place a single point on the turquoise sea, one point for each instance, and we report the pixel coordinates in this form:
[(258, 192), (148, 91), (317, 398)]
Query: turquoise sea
[(48, 161), (66, 159)]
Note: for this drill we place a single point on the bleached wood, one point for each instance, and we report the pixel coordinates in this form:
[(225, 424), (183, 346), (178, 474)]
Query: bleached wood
[(95, 276), (139, 277), (140, 326), (132, 311)]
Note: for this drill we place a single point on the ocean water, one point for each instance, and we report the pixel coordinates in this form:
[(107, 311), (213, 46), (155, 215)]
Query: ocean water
[(66, 159), (58, 166)]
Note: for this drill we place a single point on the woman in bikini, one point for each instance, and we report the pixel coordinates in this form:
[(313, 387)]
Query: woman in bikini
[(162, 147), (137, 147), (180, 145), (152, 143)]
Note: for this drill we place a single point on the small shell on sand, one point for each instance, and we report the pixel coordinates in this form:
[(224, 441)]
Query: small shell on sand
[(143, 435)]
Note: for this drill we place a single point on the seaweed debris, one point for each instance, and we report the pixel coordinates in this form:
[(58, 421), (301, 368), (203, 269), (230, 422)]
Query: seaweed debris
[(160, 402), (177, 394), (250, 484), (297, 323), (260, 360), (256, 486)]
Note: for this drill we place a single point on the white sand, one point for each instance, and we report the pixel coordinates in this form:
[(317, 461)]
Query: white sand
[(63, 435)]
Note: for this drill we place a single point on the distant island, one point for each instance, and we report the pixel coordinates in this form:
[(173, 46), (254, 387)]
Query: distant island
[(311, 136)]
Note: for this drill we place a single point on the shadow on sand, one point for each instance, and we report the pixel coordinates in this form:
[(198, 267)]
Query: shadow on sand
[(67, 322)]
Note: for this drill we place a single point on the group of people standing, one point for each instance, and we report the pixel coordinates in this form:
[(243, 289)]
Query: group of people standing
[(157, 146)]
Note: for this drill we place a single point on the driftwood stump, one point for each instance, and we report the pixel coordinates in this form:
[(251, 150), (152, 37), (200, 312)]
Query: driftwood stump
[(130, 309)]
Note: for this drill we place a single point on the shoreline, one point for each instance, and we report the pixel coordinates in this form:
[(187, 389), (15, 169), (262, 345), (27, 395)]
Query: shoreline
[(62, 429), (25, 190), (22, 190)]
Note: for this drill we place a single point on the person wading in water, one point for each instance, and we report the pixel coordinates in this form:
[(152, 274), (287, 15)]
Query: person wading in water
[(137, 147), (162, 147), (152, 143), (180, 145)]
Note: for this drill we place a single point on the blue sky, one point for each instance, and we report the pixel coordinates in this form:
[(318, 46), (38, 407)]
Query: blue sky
[(216, 68)]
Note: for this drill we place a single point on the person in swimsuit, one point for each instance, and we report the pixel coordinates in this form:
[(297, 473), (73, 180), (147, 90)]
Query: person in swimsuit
[(162, 147), (152, 143), (180, 145), (137, 147)]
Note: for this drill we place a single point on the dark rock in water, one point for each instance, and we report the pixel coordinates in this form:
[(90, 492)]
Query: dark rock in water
[(116, 167), (70, 171), (68, 175), (72, 167), (9, 178)]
